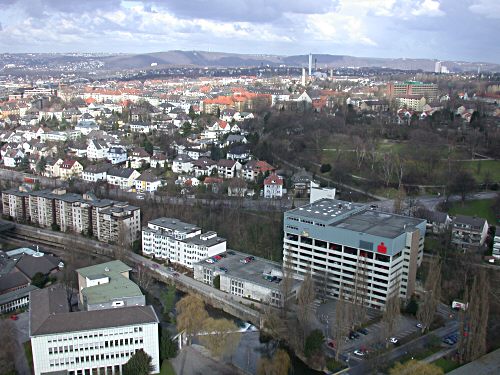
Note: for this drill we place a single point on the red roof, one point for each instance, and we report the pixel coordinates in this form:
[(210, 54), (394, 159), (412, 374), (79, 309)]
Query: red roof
[(273, 179)]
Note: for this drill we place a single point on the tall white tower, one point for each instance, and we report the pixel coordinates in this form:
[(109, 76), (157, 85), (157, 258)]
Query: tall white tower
[(310, 63)]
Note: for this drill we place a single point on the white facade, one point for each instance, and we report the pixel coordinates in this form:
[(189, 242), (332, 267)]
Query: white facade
[(183, 243), (101, 350)]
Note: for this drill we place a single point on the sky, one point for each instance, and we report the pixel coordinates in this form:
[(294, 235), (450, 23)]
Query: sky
[(466, 30)]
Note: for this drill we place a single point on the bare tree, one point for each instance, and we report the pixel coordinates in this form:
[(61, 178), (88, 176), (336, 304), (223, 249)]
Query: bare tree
[(340, 327), (391, 314), (305, 298), (360, 291), (432, 295), (143, 277), (286, 284), (474, 320)]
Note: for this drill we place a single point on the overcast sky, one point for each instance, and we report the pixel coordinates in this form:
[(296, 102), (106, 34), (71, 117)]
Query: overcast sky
[(442, 29)]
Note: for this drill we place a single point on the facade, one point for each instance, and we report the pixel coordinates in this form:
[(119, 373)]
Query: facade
[(97, 150), (70, 169), (88, 342), (107, 220), (469, 231), (147, 182), (365, 255), (428, 90), (179, 242), (273, 186), (256, 279), (94, 173), (415, 102), (496, 247)]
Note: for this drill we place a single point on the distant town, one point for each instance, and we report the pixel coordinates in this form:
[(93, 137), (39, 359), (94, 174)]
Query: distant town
[(251, 219)]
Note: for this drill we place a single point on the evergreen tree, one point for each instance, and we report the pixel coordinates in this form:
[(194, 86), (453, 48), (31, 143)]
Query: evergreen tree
[(138, 364)]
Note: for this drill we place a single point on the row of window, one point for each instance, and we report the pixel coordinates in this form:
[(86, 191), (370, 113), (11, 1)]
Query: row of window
[(90, 358), (96, 335), (91, 346)]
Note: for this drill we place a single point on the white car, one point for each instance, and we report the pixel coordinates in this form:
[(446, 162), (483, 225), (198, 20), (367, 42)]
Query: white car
[(420, 325), (393, 340), (209, 260), (359, 353)]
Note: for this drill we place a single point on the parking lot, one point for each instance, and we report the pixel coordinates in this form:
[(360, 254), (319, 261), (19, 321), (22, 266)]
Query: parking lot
[(375, 337)]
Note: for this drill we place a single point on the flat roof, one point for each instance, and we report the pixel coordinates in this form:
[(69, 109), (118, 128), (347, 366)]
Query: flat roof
[(116, 266), (327, 210), (253, 271), (174, 224)]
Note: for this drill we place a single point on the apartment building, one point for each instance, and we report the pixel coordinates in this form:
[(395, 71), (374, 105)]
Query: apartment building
[(366, 255), (88, 342), (179, 242), (468, 231), (413, 88), (107, 220)]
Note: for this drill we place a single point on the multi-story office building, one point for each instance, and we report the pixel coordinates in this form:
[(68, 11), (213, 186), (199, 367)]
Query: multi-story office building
[(107, 220), (366, 255), (412, 88), (172, 239), (88, 342)]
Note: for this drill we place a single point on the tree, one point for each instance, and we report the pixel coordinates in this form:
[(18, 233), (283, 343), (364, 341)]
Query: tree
[(144, 278), (324, 168), (139, 364), (286, 285), (39, 280), (41, 165), (474, 320), (463, 184), (305, 298), (217, 282), (391, 314), (186, 129), (168, 347), (341, 325), (191, 315), (314, 343), (168, 300), (279, 364), (414, 367), (221, 337), (432, 295), (8, 346)]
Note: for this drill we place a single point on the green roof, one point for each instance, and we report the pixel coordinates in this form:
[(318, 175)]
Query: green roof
[(118, 286)]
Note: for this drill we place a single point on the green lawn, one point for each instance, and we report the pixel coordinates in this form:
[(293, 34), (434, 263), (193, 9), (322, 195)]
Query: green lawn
[(28, 353), (166, 368), (480, 169), (446, 364), (481, 208)]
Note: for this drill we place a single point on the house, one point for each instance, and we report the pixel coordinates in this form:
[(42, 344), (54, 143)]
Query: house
[(235, 138), (301, 182), (94, 173), (187, 181), (86, 126), (12, 158), (147, 182), (78, 149), (116, 155), (469, 231), (204, 167), (139, 157), (158, 160), (437, 222), (123, 178), (53, 167), (237, 187), (228, 168), (213, 184), (254, 168), (97, 150), (182, 164), (273, 186), (240, 153), (70, 169)]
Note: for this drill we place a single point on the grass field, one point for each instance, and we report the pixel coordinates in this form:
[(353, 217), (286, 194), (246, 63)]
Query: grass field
[(481, 208), (480, 169), (446, 364)]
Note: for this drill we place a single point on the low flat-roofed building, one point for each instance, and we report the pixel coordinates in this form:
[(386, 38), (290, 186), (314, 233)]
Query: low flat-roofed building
[(15, 299), (257, 279), (107, 286), (88, 342)]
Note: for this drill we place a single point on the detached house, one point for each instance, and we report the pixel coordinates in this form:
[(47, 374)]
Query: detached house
[(70, 169), (97, 150), (253, 168), (273, 186), (204, 167), (182, 164), (12, 158), (228, 168), (147, 182), (124, 178), (116, 155), (95, 173), (138, 158), (53, 167)]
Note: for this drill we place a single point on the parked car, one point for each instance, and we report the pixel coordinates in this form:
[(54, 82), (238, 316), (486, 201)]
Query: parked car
[(209, 260), (363, 331), (393, 340), (14, 317), (231, 252), (244, 260), (224, 269), (331, 344), (419, 325), (218, 257), (359, 353)]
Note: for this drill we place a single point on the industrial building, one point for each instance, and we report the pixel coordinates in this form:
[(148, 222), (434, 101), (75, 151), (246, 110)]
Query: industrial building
[(246, 276), (179, 242), (366, 255)]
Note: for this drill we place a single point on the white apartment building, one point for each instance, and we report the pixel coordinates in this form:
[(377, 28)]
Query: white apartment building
[(88, 342), (367, 255), (168, 238)]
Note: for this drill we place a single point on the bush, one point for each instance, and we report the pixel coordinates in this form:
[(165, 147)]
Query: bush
[(314, 343), (39, 280), (333, 366), (412, 307), (325, 168)]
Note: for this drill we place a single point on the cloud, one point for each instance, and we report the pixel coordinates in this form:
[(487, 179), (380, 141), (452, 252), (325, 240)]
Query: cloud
[(487, 8), (430, 8)]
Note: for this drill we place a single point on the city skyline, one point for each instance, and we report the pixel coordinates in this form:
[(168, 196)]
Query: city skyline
[(380, 28)]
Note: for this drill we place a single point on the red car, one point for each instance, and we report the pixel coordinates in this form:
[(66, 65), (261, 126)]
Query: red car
[(14, 317), (218, 257)]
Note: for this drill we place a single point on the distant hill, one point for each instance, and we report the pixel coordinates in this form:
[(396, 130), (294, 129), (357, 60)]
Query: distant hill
[(221, 59)]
